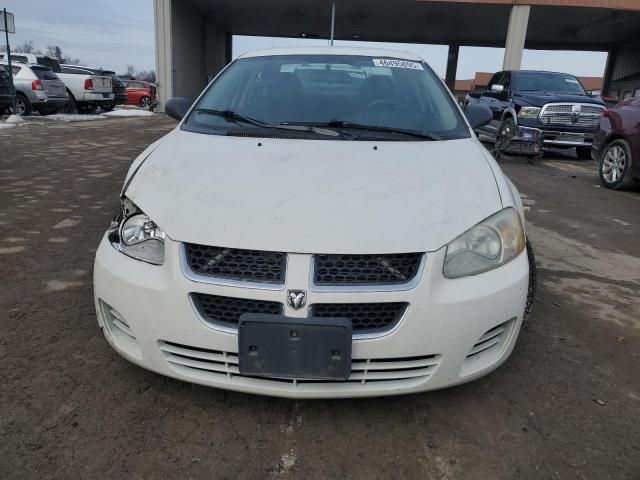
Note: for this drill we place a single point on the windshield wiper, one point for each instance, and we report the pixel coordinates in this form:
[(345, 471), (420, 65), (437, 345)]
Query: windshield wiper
[(371, 128), (236, 117)]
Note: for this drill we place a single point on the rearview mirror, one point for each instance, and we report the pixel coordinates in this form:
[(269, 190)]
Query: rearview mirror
[(177, 107), (478, 115), (496, 88)]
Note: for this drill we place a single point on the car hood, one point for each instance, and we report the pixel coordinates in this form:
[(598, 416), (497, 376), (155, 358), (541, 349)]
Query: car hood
[(538, 99), (315, 196)]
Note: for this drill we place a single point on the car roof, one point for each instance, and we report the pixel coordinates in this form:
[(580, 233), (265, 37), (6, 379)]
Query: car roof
[(367, 52)]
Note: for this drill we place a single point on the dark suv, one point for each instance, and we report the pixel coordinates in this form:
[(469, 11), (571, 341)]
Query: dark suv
[(5, 90), (554, 103)]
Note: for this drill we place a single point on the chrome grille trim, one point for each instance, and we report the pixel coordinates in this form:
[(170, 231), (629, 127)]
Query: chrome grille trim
[(563, 114)]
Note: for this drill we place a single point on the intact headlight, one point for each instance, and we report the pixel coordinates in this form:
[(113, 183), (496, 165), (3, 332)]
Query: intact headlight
[(136, 235), (529, 112), (490, 244)]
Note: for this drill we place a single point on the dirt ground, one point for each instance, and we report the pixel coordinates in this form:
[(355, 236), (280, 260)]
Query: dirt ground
[(566, 405)]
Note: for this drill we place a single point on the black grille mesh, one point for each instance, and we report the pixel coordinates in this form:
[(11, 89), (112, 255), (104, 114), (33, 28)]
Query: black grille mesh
[(366, 269), (237, 264), (364, 316), (228, 309)]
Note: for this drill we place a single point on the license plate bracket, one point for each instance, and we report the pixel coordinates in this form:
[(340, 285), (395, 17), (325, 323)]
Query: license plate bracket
[(300, 348)]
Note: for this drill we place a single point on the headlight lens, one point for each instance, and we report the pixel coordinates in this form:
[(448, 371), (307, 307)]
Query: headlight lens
[(490, 244), (529, 112), (136, 235)]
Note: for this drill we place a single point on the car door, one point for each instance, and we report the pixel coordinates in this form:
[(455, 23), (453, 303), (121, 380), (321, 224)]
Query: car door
[(135, 91), (489, 98)]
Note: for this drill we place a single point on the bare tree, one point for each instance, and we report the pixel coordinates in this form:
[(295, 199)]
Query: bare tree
[(147, 76), (131, 71), (26, 47)]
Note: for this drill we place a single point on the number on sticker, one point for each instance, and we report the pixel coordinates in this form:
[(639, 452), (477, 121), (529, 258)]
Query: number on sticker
[(392, 63)]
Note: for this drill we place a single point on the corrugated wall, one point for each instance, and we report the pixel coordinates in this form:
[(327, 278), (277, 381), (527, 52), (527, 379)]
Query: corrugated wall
[(627, 61), (187, 44)]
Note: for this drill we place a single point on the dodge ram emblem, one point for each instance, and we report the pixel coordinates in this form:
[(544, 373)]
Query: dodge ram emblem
[(575, 113), (296, 299)]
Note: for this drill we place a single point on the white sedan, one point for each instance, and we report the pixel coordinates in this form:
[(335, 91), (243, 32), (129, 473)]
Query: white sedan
[(322, 222)]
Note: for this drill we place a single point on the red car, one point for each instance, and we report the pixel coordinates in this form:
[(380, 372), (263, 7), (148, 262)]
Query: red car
[(140, 93), (616, 145)]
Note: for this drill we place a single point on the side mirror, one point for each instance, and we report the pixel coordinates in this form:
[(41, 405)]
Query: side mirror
[(478, 115), (496, 88), (177, 107)]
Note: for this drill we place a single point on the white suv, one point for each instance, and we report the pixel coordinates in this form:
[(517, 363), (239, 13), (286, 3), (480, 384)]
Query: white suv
[(323, 222)]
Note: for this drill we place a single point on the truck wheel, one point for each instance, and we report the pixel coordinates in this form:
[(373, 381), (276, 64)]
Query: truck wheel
[(584, 153), (615, 165), (107, 107), (71, 106), (23, 106), (508, 128)]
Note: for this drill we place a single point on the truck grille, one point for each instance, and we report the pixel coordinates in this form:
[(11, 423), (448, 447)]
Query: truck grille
[(366, 269), (236, 264), (363, 316), (227, 310), (571, 114)]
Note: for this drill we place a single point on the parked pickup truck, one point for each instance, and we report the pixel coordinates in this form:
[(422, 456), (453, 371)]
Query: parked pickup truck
[(554, 103), (86, 92)]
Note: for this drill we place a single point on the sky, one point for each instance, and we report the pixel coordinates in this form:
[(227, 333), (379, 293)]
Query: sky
[(115, 33)]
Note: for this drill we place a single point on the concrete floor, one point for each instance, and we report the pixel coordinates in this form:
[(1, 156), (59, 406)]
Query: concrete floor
[(566, 405)]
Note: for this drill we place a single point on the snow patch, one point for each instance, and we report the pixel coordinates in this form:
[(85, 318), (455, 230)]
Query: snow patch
[(7, 125), (14, 119), (73, 117), (120, 112)]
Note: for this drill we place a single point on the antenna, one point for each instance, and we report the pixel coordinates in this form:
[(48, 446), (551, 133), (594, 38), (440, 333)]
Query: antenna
[(333, 22)]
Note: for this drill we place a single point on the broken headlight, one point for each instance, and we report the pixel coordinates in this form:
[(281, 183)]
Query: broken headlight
[(133, 233), (491, 243)]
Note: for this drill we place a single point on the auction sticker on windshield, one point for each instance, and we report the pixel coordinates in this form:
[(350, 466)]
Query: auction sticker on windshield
[(385, 62)]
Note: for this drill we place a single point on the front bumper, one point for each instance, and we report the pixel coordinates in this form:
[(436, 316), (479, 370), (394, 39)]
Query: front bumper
[(156, 325)]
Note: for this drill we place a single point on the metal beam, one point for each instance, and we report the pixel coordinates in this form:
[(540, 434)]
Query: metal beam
[(164, 51), (452, 67), (516, 35)]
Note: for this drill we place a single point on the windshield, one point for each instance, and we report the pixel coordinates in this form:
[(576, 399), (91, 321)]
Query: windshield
[(548, 82), (339, 91)]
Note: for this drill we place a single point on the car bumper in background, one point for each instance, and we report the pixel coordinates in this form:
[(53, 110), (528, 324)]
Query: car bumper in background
[(453, 331), (97, 97)]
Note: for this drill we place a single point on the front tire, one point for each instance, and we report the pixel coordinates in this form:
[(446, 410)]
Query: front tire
[(615, 165), (507, 129), (584, 153), (533, 281)]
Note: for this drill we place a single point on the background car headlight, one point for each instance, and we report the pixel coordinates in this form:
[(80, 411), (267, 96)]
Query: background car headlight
[(529, 112), (136, 235), (490, 244)]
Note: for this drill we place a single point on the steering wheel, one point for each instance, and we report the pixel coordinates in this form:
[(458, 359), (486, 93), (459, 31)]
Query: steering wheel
[(386, 102)]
